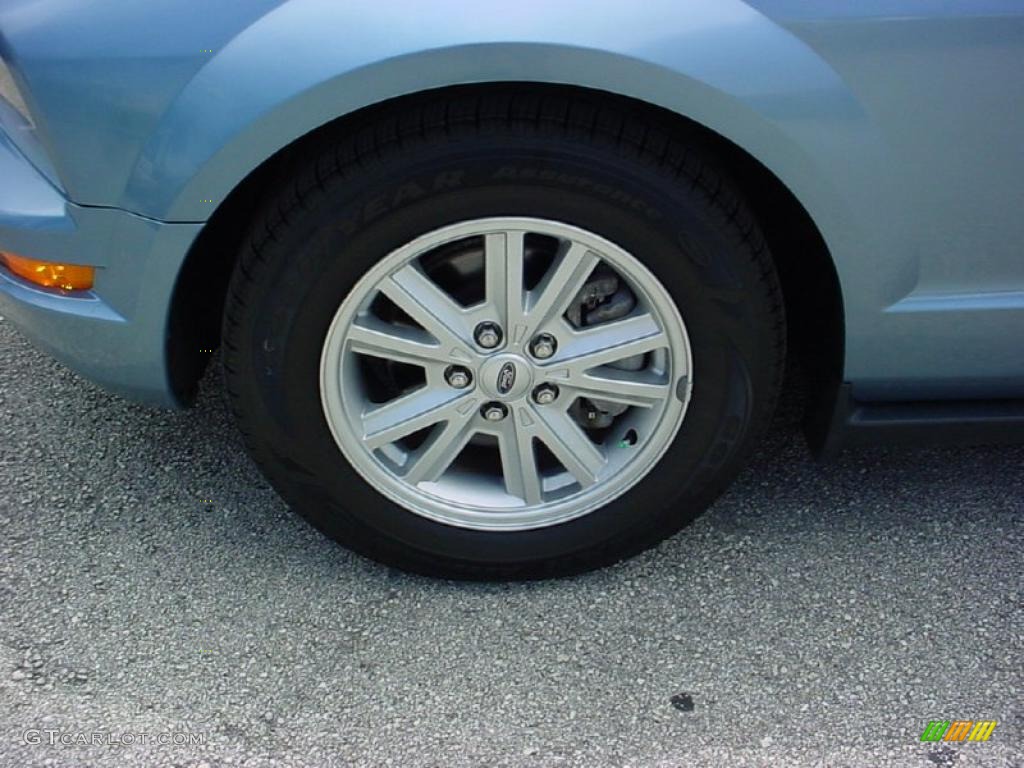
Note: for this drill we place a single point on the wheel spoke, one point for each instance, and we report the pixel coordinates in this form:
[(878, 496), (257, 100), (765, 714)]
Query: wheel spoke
[(573, 449), (611, 342), (562, 282), (519, 462), (431, 460), (426, 303), (640, 388), (503, 270), (393, 342), (409, 413)]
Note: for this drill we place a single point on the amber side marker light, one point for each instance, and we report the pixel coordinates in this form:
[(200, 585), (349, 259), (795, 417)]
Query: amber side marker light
[(66, 277)]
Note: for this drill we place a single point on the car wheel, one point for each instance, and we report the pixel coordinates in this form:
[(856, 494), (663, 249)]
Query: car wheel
[(503, 335)]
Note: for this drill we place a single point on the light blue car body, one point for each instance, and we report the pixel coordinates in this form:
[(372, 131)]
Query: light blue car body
[(897, 124)]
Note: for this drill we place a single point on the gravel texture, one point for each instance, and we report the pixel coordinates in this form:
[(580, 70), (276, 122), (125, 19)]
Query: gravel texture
[(819, 615)]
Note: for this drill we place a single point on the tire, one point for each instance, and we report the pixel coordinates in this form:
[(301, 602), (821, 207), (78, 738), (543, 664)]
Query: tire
[(588, 163)]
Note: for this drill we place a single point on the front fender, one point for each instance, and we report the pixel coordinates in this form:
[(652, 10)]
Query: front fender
[(722, 63), (307, 62)]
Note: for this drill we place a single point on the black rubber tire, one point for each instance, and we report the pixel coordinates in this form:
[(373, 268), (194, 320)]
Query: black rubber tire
[(584, 159)]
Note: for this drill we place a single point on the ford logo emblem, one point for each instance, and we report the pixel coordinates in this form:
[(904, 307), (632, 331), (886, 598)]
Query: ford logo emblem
[(506, 378)]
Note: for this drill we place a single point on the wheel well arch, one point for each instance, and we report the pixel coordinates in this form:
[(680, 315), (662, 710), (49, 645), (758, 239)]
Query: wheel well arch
[(811, 288)]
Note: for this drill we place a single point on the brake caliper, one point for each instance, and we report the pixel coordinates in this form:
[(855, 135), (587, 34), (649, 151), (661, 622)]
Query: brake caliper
[(603, 299)]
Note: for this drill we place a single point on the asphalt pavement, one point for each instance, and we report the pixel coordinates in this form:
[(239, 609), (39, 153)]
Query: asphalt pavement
[(154, 590)]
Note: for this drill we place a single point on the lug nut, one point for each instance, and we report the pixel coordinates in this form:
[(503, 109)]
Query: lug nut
[(488, 335), (494, 411), (545, 394), (543, 346), (458, 377)]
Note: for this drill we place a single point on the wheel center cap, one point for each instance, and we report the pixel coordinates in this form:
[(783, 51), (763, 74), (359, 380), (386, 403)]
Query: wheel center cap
[(506, 377)]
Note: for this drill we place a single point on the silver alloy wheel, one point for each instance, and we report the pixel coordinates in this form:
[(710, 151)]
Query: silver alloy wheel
[(429, 446)]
